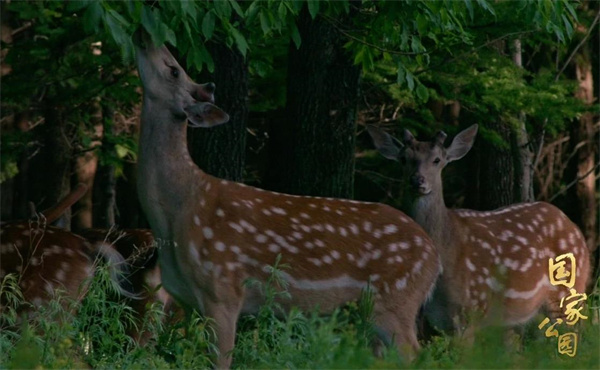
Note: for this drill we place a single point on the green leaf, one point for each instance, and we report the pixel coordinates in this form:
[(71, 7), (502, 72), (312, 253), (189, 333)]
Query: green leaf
[(410, 80), (296, 35), (264, 23), (469, 6), (240, 41), (188, 7), (92, 16), (121, 151), (236, 8), (251, 12), (422, 93), (484, 4), (222, 8), (208, 24), (568, 26), (170, 36), (282, 11), (422, 24), (150, 24), (313, 8), (118, 17)]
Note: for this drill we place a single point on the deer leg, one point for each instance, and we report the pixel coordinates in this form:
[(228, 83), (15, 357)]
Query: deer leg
[(225, 315), (394, 327)]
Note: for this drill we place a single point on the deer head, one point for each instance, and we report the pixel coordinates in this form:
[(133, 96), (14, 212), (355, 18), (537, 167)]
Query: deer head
[(425, 160), (166, 84)]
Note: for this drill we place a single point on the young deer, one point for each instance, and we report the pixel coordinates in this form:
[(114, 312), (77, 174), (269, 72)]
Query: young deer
[(214, 234), (499, 255), (47, 258)]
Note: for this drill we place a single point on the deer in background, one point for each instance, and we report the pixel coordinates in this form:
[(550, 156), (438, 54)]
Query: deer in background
[(493, 256), (215, 234), (47, 258)]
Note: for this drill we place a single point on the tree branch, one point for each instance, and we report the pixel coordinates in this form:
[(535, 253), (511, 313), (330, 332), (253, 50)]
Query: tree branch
[(569, 185), (578, 46)]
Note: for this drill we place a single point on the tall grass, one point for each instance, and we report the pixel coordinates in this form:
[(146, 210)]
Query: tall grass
[(95, 336)]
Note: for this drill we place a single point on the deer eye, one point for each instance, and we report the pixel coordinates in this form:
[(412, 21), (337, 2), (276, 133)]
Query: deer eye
[(174, 72), (436, 161)]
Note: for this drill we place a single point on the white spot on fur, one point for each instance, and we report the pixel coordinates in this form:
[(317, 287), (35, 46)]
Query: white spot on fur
[(401, 283), (279, 211), (390, 229), (470, 265), (208, 232), (236, 227), (220, 246)]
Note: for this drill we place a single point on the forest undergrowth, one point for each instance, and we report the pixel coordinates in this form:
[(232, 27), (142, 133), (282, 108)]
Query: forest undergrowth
[(96, 337)]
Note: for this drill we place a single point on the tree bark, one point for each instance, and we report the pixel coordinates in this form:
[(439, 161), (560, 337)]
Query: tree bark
[(497, 170), (105, 189), (520, 145), (86, 166), (221, 151), (312, 151), (584, 209)]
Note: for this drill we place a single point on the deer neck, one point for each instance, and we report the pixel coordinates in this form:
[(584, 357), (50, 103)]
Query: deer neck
[(431, 213), (166, 170)]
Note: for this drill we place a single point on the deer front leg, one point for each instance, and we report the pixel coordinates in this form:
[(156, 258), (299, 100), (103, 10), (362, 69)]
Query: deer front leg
[(224, 316)]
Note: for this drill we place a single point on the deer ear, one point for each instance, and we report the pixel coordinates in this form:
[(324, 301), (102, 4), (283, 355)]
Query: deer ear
[(407, 137), (385, 143), (205, 115), (461, 144)]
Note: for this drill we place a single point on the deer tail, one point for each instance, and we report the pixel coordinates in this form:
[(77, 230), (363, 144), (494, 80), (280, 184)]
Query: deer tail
[(118, 269)]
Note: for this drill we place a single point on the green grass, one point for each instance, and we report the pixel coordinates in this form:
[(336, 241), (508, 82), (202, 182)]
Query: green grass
[(96, 337)]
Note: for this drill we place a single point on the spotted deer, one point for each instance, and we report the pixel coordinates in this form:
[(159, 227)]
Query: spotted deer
[(46, 259), (494, 256), (214, 234)]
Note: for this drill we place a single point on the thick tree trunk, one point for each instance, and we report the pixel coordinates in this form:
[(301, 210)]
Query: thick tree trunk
[(221, 151), (582, 166), (312, 151), (497, 170)]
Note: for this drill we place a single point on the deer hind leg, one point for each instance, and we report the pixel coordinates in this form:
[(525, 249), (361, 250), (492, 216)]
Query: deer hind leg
[(224, 316), (398, 325)]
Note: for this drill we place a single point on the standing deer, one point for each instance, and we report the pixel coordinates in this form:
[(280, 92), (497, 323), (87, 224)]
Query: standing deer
[(499, 255), (215, 234)]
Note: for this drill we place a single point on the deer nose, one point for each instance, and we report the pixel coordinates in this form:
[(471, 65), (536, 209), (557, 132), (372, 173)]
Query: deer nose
[(417, 180), (204, 93), (210, 87)]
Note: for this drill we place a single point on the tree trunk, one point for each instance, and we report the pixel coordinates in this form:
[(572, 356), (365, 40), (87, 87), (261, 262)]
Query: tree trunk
[(221, 151), (105, 189), (49, 172), (312, 151), (582, 166), (86, 165), (497, 170), (520, 145)]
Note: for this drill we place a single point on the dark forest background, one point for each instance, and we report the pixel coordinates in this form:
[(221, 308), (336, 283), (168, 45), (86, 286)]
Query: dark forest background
[(301, 80)]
